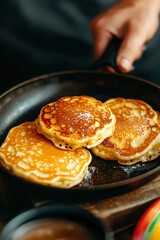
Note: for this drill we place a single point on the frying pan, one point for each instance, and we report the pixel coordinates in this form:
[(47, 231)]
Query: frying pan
[(104, 178)]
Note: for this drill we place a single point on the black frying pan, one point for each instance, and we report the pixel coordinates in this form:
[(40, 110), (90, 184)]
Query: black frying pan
[(104, 178)]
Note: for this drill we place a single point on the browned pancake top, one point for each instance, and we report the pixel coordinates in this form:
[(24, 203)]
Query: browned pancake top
[(136, 127), (73, 115)]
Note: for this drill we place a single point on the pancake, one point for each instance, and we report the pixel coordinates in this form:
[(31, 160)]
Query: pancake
[(137, 133), (31, 156), (76, 121)]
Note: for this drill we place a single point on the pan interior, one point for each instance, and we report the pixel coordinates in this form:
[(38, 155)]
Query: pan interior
[(24, 101)]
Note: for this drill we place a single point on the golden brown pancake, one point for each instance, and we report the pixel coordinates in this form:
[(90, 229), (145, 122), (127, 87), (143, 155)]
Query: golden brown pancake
[(137, 133), (76, 121), (31, 156)]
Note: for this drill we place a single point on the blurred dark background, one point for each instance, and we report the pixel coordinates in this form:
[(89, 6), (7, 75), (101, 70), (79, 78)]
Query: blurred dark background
[(44, 36)]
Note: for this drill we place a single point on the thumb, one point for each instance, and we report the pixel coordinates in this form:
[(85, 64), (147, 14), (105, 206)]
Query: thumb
[(130, 50)]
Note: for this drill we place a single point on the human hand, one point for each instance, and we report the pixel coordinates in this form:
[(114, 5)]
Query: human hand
[(134, 21)]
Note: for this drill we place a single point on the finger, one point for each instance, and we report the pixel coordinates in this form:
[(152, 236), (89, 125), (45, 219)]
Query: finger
[(130, 50), (110, 69), (101, 40)]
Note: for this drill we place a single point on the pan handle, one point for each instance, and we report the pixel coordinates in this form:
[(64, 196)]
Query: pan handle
[(109, 57)]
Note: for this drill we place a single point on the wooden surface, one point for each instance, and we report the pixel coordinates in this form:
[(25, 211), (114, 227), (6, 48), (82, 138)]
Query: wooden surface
[(124, 210), (120, 212)]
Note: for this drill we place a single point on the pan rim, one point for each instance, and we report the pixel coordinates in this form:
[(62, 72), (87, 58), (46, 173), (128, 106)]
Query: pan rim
[(151, 173), (67, 72)]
